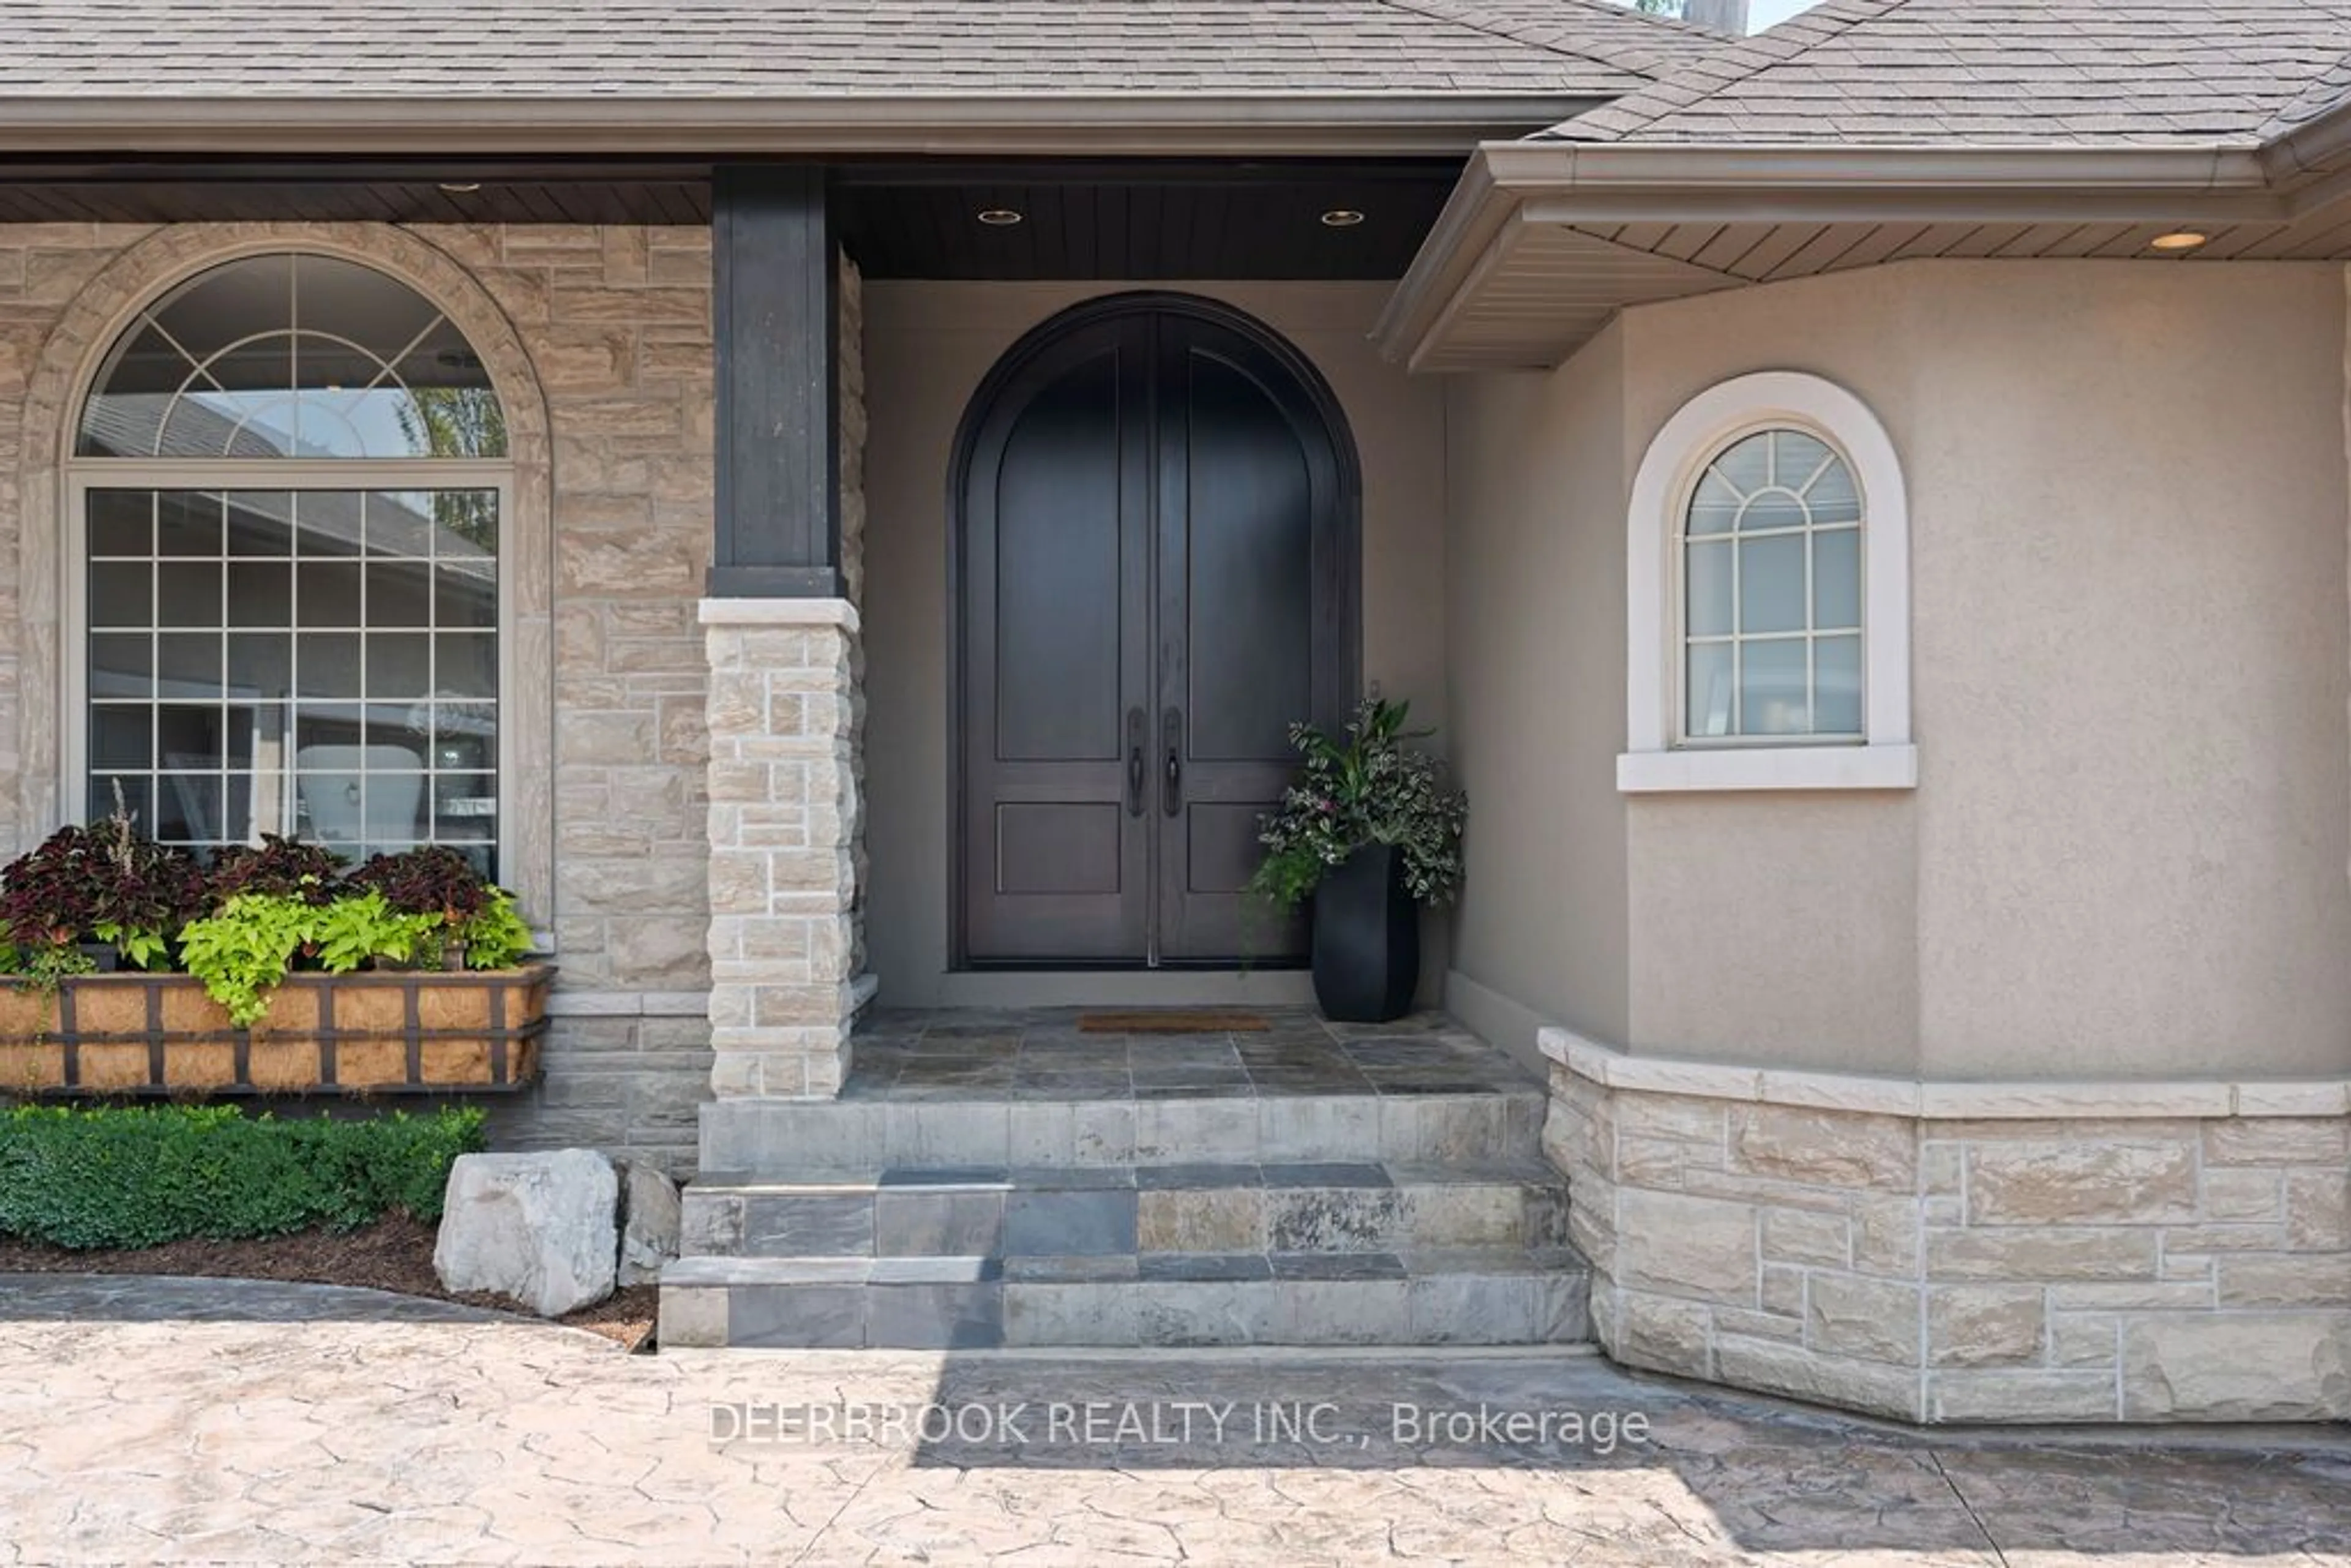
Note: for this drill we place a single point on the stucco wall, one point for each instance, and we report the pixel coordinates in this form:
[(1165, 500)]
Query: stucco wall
[(2126, 855), (2133, 670), (1535, 680), (927, 347)]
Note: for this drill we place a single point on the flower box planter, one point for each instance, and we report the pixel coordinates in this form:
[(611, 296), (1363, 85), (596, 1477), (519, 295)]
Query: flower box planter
[(372, 1032)]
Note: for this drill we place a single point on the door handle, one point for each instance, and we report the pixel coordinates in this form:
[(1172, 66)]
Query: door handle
[(1137, 737), (1171, 732)]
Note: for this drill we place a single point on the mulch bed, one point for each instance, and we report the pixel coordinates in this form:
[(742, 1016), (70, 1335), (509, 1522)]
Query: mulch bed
[(393, 1254)]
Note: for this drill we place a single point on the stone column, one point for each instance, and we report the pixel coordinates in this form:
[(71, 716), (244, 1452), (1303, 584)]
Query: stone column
[(783, 823)]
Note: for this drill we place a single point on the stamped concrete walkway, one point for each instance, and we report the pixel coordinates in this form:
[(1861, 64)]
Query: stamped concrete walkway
[(147, 1420)]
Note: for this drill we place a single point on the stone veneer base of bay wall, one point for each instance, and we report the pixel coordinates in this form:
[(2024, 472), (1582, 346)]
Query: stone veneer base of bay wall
[(1966, 1252)]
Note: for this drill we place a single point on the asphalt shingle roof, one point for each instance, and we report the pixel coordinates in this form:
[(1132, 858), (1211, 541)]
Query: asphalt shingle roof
[(2219, 72), (818, 48)]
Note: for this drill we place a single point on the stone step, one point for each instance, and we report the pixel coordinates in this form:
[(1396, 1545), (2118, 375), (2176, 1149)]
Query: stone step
[(1430, 1128), (1476, 1296), (1134, 1210)]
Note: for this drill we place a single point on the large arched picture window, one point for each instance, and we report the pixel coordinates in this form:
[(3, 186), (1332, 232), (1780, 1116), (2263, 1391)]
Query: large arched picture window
[(288, 481)]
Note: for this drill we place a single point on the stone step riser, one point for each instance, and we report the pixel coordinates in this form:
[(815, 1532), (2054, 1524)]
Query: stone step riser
[(1009, 1223), (775, 1134), (1438, 1309)]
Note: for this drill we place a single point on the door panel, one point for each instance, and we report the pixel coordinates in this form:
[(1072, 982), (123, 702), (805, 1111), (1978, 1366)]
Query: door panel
[(1055, 846), (1250, 568), (1155, 585), (1043, 847), (1058, 593), (1248, 498)]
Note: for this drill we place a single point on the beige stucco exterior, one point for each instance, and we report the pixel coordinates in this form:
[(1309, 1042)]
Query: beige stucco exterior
[(2126, 854), (928, 346), (1535, 680)]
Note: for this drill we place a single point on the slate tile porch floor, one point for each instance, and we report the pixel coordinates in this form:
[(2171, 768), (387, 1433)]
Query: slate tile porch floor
[(1040, 1054)]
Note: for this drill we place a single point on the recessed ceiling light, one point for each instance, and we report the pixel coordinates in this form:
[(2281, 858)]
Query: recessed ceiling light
[(1342, 218), (998, 217), (2181, 239), (461, 187)]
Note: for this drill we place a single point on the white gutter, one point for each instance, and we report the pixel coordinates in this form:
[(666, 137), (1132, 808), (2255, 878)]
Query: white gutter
[(1870, 166), (1562, 182), (1134, 124), (2317, 145)]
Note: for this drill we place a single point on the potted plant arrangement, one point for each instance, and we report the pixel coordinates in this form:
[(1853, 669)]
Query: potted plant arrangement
[(1369, 833), (135, 969)]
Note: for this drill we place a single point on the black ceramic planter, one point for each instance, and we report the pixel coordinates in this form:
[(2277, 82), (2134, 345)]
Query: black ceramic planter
[(1367, 939)]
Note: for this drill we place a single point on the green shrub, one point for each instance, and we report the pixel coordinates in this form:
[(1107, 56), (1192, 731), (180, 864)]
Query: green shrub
[(142, 1176)]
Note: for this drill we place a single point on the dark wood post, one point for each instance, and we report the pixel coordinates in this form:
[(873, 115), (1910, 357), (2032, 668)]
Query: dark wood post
[(777, 319)]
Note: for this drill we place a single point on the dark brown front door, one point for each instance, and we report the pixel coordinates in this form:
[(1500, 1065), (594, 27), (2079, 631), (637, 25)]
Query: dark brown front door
[(1156, 581)]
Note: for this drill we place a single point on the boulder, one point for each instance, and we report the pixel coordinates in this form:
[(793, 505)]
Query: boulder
[(538, 1229), (649, 1214)]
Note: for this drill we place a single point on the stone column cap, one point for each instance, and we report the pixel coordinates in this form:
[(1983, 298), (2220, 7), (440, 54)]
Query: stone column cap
[(1947, 1100), (837, 613)]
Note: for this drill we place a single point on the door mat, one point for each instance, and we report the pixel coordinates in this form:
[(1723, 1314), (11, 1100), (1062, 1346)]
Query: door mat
[(1164, 1020)]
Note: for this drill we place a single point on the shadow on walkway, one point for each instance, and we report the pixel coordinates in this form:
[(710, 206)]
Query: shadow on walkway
[(1777, 1477), (150, 1299)]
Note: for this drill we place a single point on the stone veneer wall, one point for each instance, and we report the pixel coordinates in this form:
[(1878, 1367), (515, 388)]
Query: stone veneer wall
[(1966, 1252), (613, 324), (782, 823), (616, 323)]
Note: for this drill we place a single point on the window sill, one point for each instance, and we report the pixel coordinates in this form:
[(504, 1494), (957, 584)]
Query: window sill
[(1768, 767)]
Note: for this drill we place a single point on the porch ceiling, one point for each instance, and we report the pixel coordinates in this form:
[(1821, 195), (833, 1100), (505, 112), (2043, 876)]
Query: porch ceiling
[(1139, 220), (1542, 243)]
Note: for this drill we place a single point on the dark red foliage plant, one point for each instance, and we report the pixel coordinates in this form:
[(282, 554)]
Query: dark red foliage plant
[(50, 894), (99, 884), (278, 866), (431, 880)]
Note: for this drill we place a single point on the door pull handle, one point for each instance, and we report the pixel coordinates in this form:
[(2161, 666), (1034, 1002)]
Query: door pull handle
[(1137, 737), (1172, 734)]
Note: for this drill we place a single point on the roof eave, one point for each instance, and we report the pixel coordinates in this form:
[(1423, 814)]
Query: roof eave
[(2319, 144), (1515, 183), (1131, 124)]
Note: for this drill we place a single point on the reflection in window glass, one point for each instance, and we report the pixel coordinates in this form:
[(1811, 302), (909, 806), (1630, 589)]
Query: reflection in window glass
[(290, 683), (294, 357)]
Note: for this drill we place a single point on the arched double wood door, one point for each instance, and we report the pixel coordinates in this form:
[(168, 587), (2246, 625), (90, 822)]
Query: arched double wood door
[(1156, 577)]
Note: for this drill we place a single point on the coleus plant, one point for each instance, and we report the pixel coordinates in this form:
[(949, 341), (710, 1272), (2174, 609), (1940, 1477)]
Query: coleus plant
[(146, 891), (102, 884), (431, 880), (48, 902), (280, 866), (475, 920)]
